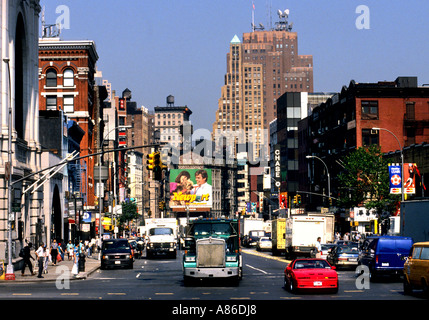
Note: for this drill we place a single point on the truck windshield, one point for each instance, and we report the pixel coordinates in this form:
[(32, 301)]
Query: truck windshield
[(160, 231), (206, 229)]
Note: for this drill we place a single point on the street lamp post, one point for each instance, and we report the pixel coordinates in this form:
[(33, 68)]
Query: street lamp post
[(327, 172), (100, 189), (402, 160), (8, 175)]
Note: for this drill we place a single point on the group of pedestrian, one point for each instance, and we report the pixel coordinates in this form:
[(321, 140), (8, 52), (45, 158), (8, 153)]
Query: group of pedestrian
[(54, 254)]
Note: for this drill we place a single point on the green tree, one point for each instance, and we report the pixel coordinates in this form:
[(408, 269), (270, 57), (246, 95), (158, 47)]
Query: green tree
[(129, 212), (365, 181)]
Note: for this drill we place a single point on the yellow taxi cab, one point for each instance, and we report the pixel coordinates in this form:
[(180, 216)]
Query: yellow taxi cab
[(416, 268)]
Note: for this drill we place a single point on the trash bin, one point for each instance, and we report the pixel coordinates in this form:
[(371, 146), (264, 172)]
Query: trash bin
[(81, 262)]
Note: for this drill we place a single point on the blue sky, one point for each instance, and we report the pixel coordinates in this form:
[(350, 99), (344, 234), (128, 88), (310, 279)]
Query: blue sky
[(161, 47)]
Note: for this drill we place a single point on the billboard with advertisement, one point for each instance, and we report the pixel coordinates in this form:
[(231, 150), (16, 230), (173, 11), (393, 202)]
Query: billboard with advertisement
[(192, 187), (410, 172), (395, 179)]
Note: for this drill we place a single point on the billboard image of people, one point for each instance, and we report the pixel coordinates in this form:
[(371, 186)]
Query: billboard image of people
[(192, 187)]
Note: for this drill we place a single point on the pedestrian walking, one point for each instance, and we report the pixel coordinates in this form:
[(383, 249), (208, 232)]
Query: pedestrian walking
[(60, 254), (27, 256), (70, 250), (46, 260), (75, 268), (54, 252), (63, 247), (40, 254), (318, 248)]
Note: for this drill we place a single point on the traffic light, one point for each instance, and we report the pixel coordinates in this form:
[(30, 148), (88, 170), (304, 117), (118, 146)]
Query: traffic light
[(295, 199), (163, 161), (154, 164), (298, 198), (150, 161), (161, 205), (157, 169)]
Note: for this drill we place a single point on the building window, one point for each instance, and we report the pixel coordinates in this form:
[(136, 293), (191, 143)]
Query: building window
[(370, 137), (68, 78), (410, 111), (68, 103), (411, 136), (51, 102), (51, 78), (369, 110)]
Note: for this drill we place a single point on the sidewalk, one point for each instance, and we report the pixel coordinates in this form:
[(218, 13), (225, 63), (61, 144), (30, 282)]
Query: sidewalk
[(91, 265)]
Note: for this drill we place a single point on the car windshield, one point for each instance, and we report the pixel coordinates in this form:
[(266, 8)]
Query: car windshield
[(311, 264), (160, 231), (350, 248), (108, 245)]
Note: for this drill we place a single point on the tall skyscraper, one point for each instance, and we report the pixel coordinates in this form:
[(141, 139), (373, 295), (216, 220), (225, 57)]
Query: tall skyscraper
[(260, 69)]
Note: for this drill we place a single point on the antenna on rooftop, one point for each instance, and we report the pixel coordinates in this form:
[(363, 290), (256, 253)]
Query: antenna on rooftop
[(49, 30), (283, 24)]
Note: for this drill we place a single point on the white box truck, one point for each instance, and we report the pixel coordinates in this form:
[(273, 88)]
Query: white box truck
[(302, 232), (161, 237)]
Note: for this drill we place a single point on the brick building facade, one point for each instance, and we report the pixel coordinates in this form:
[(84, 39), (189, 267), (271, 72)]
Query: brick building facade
[(345, 122), (67, 81)]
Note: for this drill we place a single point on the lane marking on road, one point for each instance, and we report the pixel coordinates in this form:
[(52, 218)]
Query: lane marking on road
[(290, 298), (116, 294), (70, 294), (239, 298), (164, 293), (21, 294), (264, 255), (264, 292), (254, 268), (351, 291)]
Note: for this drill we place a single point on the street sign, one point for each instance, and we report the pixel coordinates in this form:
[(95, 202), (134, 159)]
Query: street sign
[(277, 169)]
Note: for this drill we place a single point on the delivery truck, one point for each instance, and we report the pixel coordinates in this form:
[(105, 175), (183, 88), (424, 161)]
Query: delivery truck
[(302, 232)]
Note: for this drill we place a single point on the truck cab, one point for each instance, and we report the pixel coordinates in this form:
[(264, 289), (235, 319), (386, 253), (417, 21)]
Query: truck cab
[(161, 235), (212, 250)]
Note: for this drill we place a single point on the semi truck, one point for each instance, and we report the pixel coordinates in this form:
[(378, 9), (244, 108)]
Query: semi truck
[(302, 232), (212, 251), (161, 237)]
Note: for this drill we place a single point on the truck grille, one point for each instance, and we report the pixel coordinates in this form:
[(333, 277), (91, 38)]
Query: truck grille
[(165, 245), (210, 253)]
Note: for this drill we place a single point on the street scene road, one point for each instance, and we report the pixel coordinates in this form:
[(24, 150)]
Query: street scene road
[(162, 279)]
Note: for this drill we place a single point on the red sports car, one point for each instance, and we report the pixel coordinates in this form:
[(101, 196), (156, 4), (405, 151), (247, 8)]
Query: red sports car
[(312, 274)]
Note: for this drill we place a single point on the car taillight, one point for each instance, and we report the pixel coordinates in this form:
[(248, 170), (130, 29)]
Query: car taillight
[(376, 258)]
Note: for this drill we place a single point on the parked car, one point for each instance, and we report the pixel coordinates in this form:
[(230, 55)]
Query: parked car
[(326, 247), (116, 253), (264, 243), (253, 237), (344, 255), (385, 255), (310, 274), (416, 269)]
